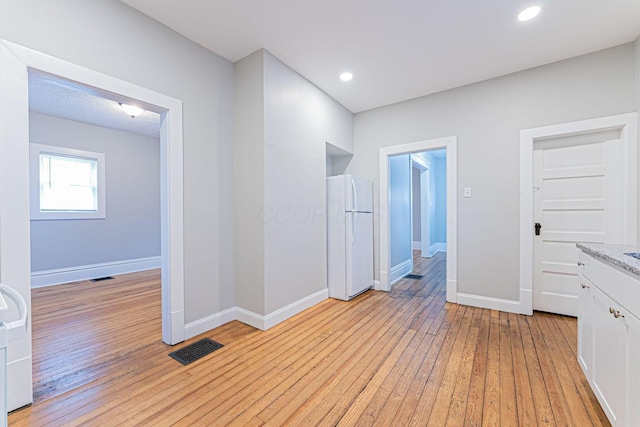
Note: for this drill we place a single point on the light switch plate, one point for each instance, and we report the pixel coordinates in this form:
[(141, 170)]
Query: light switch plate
[(467, 192)]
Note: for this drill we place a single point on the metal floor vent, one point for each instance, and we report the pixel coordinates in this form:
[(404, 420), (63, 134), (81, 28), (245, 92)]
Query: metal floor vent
[(413, 276), (100, 279), (195, 351)]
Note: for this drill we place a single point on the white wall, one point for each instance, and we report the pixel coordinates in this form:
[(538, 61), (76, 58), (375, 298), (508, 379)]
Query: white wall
[(487, 118), (298, 121), (415, 202), (132, 227), (399, 210), (110, 37)]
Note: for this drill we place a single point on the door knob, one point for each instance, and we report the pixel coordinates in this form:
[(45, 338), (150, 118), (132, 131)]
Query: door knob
[(538, 227)]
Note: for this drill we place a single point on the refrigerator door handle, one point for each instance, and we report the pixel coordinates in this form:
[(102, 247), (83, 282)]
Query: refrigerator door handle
[(355, 195), (353, 228)]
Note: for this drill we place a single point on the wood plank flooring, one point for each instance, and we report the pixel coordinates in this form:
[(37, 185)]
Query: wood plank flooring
[(404, 358)]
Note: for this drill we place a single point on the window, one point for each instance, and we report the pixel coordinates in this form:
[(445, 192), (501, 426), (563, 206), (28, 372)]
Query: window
[(66, 183)]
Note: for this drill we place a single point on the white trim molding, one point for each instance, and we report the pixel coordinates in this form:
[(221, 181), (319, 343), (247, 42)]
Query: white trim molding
[(490, 303), (397, 272), (58, 276), (628, 126), (280, 315), (17, 62), (210, 322), (451, 145)]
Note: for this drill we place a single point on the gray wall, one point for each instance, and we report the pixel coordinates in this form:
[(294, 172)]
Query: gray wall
[(249, 182), (399, 210), (110, 37), (288, 187), (487, 118), (132, 227)]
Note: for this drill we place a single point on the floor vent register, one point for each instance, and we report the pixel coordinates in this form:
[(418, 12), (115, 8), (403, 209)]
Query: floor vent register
[(414, 276), (195, 351)]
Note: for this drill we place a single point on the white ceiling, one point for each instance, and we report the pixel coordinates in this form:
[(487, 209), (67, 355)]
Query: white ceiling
[(399, 49), (61, 98)]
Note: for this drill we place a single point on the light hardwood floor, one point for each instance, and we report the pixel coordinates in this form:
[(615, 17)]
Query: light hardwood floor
[(400, 358)]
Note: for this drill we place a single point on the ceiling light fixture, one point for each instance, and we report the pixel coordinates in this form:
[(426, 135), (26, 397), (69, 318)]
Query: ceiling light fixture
[(131, 110), (345, 77), (529, 13)]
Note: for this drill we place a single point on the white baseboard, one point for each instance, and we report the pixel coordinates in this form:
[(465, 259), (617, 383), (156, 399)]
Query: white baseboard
[(19, 393), (417, 246), (210, 322), (438, 247), (85, 272), (292, 309), (489, 302), (278, 316), (399, 271), (252, 319)]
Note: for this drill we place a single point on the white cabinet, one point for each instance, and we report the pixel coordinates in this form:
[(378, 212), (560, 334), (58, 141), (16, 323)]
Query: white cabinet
[(609, 338), (633, 371), (609, 357), (585, 325)]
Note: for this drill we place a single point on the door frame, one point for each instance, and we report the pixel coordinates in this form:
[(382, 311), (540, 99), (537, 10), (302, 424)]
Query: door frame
[(628, 126), (450, 144), (423, 166), (15, 64)]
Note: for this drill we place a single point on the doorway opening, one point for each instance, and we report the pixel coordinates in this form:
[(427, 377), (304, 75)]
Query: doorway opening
[(429, 202), (390, 269), (16, 62), (85, 238)]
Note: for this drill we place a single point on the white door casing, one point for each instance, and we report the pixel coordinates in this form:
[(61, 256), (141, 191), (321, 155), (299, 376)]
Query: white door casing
[(576, 200), (579, 203), (15, 64), (450, 144)]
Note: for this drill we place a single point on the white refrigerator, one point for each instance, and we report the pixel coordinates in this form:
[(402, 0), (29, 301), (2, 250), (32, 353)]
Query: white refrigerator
[(349, 236)]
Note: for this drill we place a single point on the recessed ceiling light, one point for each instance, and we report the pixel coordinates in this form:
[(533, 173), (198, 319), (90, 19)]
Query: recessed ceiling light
[(345, 77), (529, 13), (131, 110)]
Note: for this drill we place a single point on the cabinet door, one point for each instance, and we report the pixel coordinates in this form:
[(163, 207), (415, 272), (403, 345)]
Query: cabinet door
[(609, 357), (585, 326), (633, 370)]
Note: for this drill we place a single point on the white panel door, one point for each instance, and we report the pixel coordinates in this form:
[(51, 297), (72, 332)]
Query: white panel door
[(576, 199)]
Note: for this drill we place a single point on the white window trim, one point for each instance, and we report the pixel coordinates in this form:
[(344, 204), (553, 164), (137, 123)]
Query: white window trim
[(34, 173)]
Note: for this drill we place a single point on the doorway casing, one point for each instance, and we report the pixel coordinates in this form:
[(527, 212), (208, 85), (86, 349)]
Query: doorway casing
[(15, 63), (627, 124), (450, 144)]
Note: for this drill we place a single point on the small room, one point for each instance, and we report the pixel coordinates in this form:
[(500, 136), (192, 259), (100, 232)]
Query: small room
[(95, 233)]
